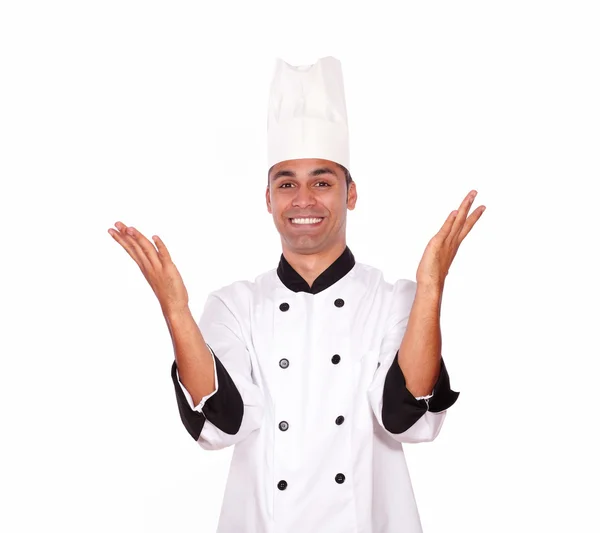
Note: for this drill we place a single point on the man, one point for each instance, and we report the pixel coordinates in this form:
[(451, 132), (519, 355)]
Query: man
[(318, 370)]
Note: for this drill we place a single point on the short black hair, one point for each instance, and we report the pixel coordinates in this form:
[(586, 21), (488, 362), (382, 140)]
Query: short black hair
[(346, 174)]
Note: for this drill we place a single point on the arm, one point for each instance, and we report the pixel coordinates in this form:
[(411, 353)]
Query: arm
[(405, 417), (234, 408), (194, 360), (419, 356), (222, 405), (397, 409)]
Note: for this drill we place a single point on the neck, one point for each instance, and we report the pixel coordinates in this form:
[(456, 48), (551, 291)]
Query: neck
[(311, 265)]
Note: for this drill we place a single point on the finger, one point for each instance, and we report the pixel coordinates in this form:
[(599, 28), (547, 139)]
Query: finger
[(463, 210), (162, 249), (134, 248), (146, 246), (470, 222), (125, 242), (447, 226)]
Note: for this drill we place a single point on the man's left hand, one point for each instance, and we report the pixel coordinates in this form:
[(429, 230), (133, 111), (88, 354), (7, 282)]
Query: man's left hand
[(442, 248)]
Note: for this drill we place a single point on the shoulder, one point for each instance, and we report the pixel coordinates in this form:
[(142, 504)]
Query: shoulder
[(396, 296), (228, 305), (240, 295), (374, 278)]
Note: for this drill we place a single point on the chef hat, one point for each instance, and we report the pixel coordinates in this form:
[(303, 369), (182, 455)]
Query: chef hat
[(307, 113)]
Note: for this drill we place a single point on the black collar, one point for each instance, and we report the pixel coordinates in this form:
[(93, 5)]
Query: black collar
[(334, 272)]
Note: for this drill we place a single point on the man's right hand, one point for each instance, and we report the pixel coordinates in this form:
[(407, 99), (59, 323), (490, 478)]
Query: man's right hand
[(156, 265)]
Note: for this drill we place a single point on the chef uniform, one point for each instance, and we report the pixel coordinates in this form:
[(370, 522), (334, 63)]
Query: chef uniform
[(308, 387)]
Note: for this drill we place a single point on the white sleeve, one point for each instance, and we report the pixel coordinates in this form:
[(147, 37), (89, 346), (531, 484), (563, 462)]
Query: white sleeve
[(424, 397)]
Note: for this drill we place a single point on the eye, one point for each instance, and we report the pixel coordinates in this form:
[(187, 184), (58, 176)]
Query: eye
[(283, 185), (324, 182)]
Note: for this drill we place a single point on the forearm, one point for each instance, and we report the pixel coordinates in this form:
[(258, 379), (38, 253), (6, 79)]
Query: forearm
[(420, 351), (194, 360)]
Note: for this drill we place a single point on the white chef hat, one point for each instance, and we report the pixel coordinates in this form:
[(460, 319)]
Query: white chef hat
[(307, 113)]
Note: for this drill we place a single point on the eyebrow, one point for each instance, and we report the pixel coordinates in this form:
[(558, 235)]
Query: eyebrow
[(291, 174)]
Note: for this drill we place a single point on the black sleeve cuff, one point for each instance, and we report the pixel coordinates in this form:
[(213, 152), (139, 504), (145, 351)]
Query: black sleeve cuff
[(225, 409), (401, 409)]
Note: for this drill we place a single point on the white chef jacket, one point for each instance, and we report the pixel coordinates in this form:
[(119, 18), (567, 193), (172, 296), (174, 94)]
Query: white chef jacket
[(310, 393)]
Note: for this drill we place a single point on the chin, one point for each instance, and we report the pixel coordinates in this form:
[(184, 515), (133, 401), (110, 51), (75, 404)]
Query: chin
[(304, 244)]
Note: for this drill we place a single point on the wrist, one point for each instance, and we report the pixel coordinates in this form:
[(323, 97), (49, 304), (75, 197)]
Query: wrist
[(432, 288), (173, 313)]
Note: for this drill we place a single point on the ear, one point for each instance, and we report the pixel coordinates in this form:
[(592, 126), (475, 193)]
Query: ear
[(352, 196), (268, 199)]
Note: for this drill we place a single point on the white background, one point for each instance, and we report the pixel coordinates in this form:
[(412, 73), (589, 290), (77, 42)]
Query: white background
[(154, 113)]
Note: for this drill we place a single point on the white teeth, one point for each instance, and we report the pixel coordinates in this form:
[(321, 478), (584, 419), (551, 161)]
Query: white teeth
[(306, 220)]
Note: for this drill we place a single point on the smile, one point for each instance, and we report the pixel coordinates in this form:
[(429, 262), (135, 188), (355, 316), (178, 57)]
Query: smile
[(305, 220)]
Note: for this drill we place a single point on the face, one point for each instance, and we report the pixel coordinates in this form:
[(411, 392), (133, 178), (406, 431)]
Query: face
[(309, 200)]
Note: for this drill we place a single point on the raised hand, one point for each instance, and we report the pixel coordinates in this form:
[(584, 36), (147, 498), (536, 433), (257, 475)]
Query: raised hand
[(156, 265), (442, 248)]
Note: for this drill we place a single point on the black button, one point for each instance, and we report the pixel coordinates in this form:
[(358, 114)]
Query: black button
[(378, 365), (335, 359), (339, 420), (282, 484), (284, 306), (340, 478), (284, 363), (339, 303), (283, 426)]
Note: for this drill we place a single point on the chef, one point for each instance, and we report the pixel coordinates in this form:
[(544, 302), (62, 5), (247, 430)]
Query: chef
[(319, 370)]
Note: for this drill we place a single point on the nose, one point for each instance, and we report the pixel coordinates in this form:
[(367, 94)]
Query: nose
[(303, 198)]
